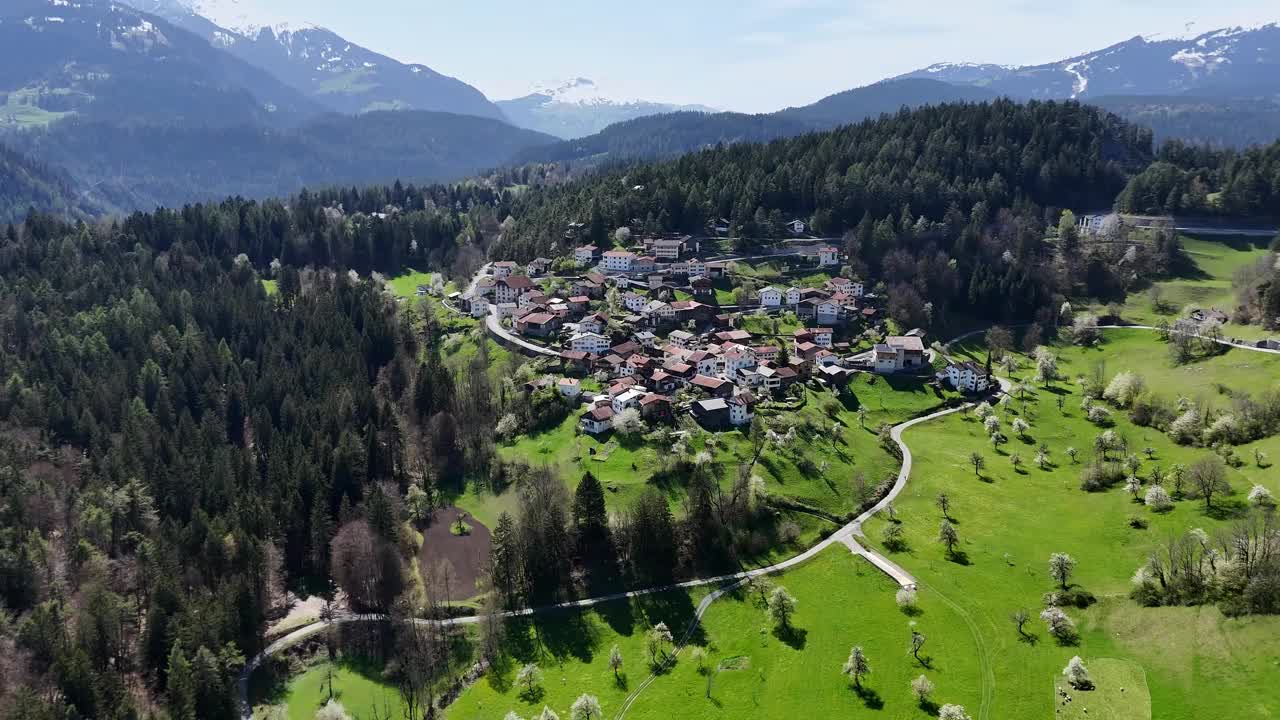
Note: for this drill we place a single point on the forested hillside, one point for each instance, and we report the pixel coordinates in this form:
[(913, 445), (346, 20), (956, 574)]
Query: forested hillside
[(1195, 180), (141, 167), (25, 184), (947, 204)]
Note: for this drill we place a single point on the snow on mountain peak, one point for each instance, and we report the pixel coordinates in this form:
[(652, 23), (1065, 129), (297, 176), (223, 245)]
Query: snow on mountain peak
[(578, 91), (245, 17)]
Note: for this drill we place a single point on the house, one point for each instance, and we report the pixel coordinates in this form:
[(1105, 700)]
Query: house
[(827, 312), (635, 303), (570, 388), (594, 323), (597, 420), (659, 312), (506, 310), (655, 407), (538, 325), (696, 268), (618, 261), (822, 337), (703, 362), (665, 248), (656, 281), (806, 351), (712, 414), (532, 297), (738, 358), (586, 255), (691, 310), (589, 342), (504, 269), (713, 386), (679, 371), (741, 409), (853, 288), (509, 289), (682, 339), (538, 266), (834, 374), (828, 256), (578, 303), (629, 399), (793, 295), (663, 382), (588, 287), (484, 286), (626, 349), (641, 364), (772, 296), (575, 360), (646, 339), (732, 336), (717, 270), (702, 287), (766, 353), (797, 227), (899, 353), (644, 264), (967, 377)]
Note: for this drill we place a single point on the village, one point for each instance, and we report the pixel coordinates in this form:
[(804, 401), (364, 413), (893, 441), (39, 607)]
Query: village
[(646, 324)]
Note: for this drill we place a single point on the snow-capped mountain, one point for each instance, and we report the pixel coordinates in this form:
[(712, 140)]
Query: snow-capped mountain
[(1226, 62), (335, 72), (100, 60), (579, 107)]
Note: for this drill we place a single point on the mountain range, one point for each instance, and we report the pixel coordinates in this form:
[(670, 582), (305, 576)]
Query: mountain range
[(579, 107), (334, 72), (1231, 62), (169, 101)]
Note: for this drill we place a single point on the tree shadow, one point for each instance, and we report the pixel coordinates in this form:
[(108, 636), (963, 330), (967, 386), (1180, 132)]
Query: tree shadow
[(1233, 509), (929, 707), (912, 611), (959, 557), (1031, 639), (869, 697), (796, 638), (926, 661), (533, 694)]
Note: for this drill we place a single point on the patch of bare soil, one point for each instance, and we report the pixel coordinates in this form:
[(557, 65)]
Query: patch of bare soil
[(463, 555)]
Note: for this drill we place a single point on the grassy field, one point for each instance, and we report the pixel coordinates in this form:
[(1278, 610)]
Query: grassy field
[(1197, 662), (362, 691), (1208, 285), (758, 672), (406, 284), (20, 109), (1121, 693)]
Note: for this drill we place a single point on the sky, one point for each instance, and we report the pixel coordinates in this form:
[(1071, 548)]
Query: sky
[(743, 55)]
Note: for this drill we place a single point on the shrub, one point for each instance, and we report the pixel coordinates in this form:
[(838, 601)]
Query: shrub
[(1099, 415), (1077, 675), (1099, 476), (1261, 497)]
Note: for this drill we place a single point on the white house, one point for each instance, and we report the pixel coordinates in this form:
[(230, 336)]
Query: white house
[(797, 227), (629, 399), (828, 312), (667, 248), (741, 409), (771, 297), (697, 268), (899, 353), (618, 261), (967, 377), (828, 256), (794, 296), (571, 388), (598, 419), (589, 342), (681, 339), (585, 255), (646, 339), (503, 269), (738, 358), (635, 303), (659, 312), (644, 264)]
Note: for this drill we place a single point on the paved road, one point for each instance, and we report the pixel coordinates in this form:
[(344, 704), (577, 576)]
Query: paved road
[(494, 324)]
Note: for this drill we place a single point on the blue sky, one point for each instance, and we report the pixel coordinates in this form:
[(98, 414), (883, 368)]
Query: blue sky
[(748, 55)]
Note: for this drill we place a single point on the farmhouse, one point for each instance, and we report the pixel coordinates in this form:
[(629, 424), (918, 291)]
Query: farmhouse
[(589, 342), (538, 324), (503, 269), (967, 376), (898, 353), (712, 414), (772, 296), (509, 289), (597, 420), (570, 388)]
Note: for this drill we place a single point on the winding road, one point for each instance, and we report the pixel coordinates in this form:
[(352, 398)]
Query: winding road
[(847, 535)]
